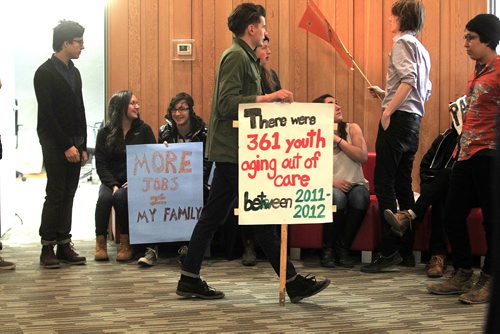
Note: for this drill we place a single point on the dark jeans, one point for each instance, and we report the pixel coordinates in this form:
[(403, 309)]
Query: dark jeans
[(471, 181), (434, 193), (395, 148), (105, 202), (223, 192), (62, 182)]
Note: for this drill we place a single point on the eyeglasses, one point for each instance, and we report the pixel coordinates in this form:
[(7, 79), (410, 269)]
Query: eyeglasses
[(470, 37), (79, 41), (181, 110), (134, 103)]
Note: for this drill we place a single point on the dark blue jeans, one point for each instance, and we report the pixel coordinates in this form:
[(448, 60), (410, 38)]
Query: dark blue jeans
[(223, 192), (62, 182), (471, 182), (395, 148)]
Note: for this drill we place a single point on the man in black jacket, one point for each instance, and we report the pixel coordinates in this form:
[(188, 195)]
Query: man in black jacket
[(62, 131)]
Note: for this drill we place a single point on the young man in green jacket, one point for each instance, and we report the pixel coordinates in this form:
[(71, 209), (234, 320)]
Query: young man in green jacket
[(238, 81)]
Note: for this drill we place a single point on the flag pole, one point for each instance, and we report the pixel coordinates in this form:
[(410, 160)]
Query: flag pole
[(341, 43)]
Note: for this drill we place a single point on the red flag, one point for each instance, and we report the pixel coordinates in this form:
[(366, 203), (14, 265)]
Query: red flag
[(315, 22)]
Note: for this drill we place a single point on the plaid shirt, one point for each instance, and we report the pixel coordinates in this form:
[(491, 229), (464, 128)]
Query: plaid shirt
[(483, 95)]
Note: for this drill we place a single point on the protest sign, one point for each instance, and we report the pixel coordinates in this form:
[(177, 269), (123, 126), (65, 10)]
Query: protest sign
[(285, 163), (165, 191)]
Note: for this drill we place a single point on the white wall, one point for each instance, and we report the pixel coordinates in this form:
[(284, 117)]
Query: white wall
[(26, 28)]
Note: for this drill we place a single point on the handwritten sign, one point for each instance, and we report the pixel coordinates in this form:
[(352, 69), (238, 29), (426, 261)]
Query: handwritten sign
[(457, 110), (165, 191), (285, 163)]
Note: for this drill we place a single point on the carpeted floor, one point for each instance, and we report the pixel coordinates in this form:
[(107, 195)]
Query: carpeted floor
[(116, 298)]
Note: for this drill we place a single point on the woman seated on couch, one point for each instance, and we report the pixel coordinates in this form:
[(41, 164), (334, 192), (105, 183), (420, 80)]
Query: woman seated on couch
[(350, 189)]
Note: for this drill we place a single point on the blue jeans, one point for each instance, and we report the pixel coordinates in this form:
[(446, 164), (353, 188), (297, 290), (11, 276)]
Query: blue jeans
[(351, 209)]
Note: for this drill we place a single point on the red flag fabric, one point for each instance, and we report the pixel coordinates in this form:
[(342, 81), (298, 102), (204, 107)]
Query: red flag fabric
[(315, 22)]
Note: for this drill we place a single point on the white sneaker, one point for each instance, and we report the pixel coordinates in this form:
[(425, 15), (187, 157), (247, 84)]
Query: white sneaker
[(150, 258)]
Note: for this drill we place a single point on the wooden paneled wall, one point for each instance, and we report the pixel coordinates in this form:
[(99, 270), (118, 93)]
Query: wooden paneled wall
[(139, 54)]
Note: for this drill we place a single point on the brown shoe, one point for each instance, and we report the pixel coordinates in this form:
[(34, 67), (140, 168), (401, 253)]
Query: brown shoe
[(436, 267), (48, 258), (125, 252), (399, 221), (101, 248), (481, 291), (460, 281), (6, 265), (66, 253)]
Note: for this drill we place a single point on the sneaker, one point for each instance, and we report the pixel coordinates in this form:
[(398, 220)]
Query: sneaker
[(197, 289), (327, 258), (399, 221), (436, 266), (381, 263), (302, 287), (408, 261), (149, 259), (459, 282), (481, 291), (6, 265), (183, 251), (66, 253), (48, 259)]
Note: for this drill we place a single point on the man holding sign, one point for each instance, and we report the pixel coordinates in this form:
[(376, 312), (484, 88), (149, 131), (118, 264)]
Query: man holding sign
[(238, 81)]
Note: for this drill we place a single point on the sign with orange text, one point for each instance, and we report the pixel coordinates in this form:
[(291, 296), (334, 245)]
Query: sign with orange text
[(285, 163), (165, 191)]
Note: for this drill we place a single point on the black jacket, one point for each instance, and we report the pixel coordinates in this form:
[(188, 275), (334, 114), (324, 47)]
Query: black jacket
[(111, 163), (439, 156), (169, 133), (61, 113)]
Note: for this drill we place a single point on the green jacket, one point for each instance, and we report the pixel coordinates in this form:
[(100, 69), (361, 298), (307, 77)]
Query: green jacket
[(238, 81)]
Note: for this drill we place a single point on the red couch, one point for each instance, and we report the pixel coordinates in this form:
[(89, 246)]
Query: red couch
[(369, 234)]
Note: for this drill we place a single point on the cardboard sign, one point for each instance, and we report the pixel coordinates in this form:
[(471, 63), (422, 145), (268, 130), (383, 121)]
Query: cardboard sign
[(285, 163), (165, 191)]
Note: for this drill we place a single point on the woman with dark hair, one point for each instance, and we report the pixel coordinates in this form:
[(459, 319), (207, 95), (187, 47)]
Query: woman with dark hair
[(269, 77), (184, 126), (350, 189), (123, 127)]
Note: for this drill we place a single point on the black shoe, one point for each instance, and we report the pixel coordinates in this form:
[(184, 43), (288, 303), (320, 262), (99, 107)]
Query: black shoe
[(380, 263), (302, 287), (48, 259), (408, 261), (327, 259), (249, 257), (197, 289), (66, 253), (343, 258)]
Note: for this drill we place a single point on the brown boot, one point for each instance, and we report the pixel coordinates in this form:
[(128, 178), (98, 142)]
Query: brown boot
[(125, 251), (436, 267), (459, 282), (481, 291), (101, 248), (399, 221)]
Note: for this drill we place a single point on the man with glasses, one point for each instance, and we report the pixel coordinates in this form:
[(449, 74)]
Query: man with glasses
[(62, 132), (472, 174)]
